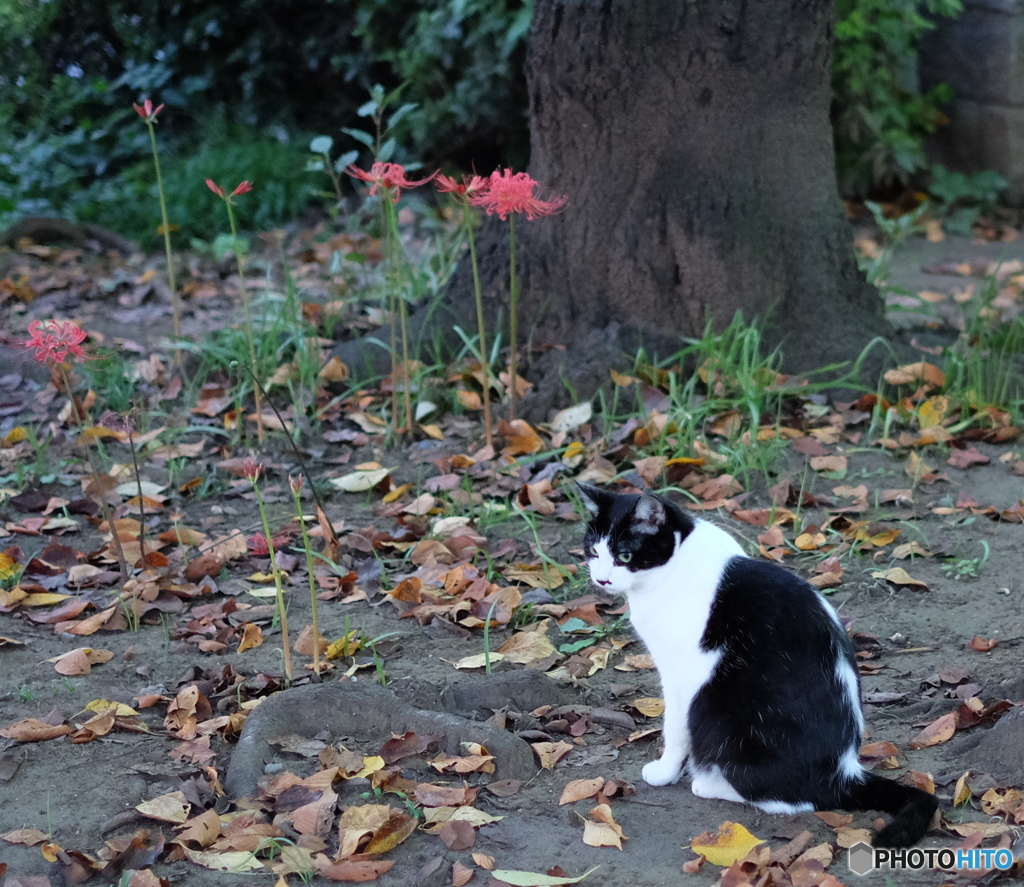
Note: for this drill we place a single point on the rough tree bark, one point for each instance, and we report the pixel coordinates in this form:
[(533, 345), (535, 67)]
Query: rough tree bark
[(693, 140)]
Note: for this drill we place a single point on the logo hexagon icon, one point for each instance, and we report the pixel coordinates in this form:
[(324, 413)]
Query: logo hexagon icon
[(862, 858)]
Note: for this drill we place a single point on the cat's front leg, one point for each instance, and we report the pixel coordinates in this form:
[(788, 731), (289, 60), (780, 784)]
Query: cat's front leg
[(669, 767)]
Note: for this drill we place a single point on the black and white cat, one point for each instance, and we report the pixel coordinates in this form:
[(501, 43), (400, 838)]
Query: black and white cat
[(762, 695)]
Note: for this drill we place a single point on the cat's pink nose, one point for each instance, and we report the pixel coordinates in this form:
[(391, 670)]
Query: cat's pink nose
[(604, 581)]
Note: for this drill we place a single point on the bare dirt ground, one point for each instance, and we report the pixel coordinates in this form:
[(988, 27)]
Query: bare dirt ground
[(961, 583)]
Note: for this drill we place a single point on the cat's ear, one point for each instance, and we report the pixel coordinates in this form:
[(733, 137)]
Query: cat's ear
[(593, 498), (649, 514)]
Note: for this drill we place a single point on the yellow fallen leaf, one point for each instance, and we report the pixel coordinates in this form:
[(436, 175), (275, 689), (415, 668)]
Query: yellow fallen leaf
[(728, 845), (899, 576), (962, 792), (650, 706), (601, 829)]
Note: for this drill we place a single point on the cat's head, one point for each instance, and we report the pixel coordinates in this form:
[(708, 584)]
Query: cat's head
[(628, 535)]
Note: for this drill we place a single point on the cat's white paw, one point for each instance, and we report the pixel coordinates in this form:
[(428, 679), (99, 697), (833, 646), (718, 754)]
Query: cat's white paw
[(662, 772)]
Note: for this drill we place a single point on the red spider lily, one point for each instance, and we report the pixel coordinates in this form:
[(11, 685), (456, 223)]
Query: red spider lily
[(240, 188), (54, 340), (146, 110), (469, 187), (389, 176), (252, 470), (295, 483), (508, 192)]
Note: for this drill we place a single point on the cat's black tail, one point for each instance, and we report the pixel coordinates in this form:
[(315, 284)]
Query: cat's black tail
[(912, 808)]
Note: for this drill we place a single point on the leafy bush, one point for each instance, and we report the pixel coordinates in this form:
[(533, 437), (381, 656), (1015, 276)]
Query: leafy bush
[(70, 70), (879, 116)]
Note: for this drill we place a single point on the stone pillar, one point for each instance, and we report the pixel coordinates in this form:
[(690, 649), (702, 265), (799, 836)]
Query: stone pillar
[(981, 56)]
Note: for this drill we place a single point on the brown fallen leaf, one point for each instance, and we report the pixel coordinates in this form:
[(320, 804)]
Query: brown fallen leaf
[(550, 753), (251, 636), (983, 645), (457, 834), (461, 874), (938, 731), (579, 789), (34, 730)]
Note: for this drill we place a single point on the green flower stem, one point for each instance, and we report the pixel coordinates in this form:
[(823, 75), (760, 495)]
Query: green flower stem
[(175, 301), (104, 507), (313, 602), (485, 361), (392, 236), (250, 334), (513, 321), (276, 571)]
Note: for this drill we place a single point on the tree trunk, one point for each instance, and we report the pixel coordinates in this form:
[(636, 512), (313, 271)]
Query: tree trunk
[(692, 138)]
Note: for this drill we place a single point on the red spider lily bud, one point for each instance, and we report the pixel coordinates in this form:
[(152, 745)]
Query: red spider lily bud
[(252, 470), (295, 483), (242, 188), (146, 110), (215, 188)]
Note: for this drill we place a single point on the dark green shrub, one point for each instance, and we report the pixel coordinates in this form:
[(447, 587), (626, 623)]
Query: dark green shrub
[(879, 115)]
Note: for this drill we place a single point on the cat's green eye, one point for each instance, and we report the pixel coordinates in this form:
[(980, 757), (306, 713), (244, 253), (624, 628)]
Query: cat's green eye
[(624, 557)]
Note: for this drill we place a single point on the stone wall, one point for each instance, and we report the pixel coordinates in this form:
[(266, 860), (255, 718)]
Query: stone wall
[(981, 56)]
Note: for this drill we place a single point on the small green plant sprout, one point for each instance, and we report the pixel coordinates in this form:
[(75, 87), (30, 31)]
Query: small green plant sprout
[(894, 233), (507, 195), (295, 485), (463, 192), (26, 693), (252, 471), (967, 567), (242, 188), (387, 180), (148, 114), (321, 147)]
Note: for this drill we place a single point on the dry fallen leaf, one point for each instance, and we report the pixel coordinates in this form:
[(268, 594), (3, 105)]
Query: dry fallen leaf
[(899, 576), (34, 730), (650, 706), (579, 789), (172, 807), (939, 730), (461, 874), (601, 829), (728, 845), (550, 753)]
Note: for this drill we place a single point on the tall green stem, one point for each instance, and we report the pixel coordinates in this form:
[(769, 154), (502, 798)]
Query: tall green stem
[(513, 322), (485, 360), (175, 302), (249, 332), (278, 585), (313, 602), (393, 244)]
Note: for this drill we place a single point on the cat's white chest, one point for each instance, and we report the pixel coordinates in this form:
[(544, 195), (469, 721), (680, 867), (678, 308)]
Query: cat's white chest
[(670, 611)]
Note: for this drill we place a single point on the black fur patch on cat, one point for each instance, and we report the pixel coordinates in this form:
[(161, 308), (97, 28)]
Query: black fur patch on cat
[(649, 541)]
